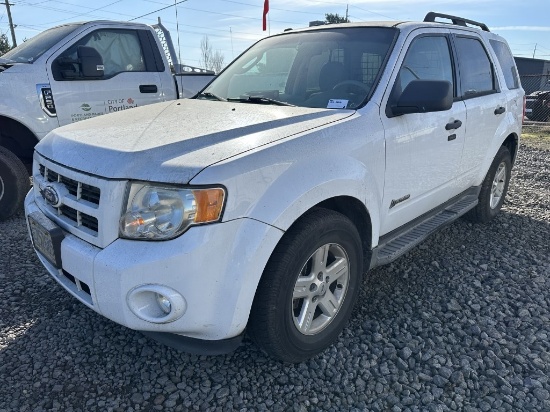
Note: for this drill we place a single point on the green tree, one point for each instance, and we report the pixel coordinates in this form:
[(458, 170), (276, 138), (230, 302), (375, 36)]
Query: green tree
[(335, 18), (4, 44)]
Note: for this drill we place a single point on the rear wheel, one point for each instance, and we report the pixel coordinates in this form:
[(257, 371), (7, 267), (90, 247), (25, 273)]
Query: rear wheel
[(309, 286), (14, 183), (493, 189)]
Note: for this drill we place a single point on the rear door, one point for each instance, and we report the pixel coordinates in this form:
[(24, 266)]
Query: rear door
[(131, 75), (486, 104)]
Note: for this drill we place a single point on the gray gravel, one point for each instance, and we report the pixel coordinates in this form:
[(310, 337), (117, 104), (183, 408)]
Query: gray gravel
[(460, 323)]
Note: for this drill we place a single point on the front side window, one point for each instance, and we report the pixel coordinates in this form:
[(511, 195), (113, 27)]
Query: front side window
[(476, 70), (120, 50), (330, 68), (428, 58)]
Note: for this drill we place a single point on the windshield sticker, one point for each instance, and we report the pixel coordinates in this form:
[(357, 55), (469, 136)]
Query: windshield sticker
[(337, 104)]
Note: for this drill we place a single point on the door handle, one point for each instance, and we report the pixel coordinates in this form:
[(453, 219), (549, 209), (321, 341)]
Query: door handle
[(500, 110), (148, 88), (453, 125)]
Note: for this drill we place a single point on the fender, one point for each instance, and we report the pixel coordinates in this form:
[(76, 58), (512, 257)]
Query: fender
[(278, 183), (20, 101), (505, 129)]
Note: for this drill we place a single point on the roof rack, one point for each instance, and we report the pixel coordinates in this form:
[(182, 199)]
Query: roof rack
[(459, 21)]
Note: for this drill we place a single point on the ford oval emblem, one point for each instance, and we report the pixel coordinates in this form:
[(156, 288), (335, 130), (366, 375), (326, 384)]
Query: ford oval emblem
[(51, 196)]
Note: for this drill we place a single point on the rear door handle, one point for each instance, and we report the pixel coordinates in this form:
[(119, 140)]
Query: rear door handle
[(453, 125), (500, 110), (148, 88)]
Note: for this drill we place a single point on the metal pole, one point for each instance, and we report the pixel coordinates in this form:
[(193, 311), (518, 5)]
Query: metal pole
[(534, 51), (12, 27)]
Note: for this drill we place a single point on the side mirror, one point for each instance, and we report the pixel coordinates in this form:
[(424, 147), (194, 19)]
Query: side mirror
[(91, 62), (424, 96)]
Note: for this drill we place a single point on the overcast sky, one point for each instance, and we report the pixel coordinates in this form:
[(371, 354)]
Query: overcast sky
[(233, 25)]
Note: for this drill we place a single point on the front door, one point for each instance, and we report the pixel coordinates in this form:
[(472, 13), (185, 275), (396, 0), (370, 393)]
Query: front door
[(423, 150), (128, 80)]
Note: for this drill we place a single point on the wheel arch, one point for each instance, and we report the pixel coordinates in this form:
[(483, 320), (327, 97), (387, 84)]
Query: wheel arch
[(358, 214), (512, 144), (17, 138)]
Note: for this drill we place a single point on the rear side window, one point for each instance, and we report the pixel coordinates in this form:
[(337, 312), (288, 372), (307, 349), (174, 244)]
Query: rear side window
[(476, 70), (507, 63)]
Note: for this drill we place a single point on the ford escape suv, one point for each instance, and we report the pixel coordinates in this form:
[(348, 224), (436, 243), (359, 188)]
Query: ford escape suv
[(257, 206)]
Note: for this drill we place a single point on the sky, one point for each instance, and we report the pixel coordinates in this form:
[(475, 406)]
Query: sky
[(234, 25)]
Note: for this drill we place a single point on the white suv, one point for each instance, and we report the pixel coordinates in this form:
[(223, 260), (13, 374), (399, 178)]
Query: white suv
[(258, 205)]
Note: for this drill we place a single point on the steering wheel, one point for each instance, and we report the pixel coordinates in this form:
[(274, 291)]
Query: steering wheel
[(358, 86)]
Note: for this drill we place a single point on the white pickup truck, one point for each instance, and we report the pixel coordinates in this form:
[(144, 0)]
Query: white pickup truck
[(259, 204), (74, 72)]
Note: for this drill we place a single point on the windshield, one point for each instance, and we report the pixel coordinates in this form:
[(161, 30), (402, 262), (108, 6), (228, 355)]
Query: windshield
[(33, 48), (332, 68)]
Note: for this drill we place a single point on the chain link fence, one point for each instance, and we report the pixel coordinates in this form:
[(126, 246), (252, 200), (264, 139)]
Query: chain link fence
[(537, 92)]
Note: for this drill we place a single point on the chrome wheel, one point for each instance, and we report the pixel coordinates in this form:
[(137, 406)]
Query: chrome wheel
[(320, 289), (497, 188)]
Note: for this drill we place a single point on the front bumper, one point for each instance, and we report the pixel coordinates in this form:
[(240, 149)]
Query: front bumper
[(216, 268)]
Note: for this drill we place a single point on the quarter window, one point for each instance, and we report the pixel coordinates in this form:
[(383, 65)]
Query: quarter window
[(476, 70), (507, 63)]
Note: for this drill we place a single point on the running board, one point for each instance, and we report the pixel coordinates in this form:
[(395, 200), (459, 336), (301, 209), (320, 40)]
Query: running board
[(393, 246)]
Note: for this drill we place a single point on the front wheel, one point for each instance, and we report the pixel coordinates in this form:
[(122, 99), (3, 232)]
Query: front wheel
[(493, 189), (14, 183), (309, 287)]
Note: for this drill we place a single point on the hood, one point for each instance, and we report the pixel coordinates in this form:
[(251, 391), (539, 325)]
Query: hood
[(172, 142)]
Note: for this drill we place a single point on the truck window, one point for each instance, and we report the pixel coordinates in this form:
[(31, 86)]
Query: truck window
[(507, 63), (476, 70), (120, 49)]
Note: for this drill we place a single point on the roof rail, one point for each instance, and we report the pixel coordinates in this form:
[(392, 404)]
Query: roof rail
[(459, 21)]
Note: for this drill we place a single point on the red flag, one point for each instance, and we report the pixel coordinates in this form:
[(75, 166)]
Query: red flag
[(266, 9)]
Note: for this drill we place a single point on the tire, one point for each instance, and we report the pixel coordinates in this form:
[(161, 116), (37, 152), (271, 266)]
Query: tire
[(493, 188), (14, 183), (292, 283)]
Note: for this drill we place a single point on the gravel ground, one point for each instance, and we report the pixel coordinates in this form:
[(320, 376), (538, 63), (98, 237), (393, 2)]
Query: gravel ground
[(460, 323)]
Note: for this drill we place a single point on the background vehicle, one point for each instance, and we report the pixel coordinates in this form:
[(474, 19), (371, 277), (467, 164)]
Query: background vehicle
[(74, 72), (316, 155)]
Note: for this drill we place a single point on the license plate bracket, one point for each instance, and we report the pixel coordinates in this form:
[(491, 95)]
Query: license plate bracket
[(46, 238)]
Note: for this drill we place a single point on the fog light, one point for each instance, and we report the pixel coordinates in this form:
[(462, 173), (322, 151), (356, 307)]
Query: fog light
[(156, 303), (164, 303)]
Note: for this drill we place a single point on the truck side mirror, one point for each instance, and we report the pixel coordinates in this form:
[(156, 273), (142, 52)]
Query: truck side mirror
[(423, 96), (91, 62)]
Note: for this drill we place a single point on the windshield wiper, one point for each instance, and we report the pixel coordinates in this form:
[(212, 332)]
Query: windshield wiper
[(259, 99), (212, 95)]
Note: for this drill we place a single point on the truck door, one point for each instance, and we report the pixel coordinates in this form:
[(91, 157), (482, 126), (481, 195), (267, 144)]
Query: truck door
[(130, 78)]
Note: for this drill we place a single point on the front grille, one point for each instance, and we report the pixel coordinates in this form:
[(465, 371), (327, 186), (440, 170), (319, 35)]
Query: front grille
[(79, 190), (79, 205), (80, 218)]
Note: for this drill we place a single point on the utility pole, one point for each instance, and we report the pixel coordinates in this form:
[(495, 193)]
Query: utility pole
[(12, 27), (534, 51), (347, 5)]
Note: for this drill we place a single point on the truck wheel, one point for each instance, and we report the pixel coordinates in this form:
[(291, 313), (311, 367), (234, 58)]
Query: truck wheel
[(308, 288), (14, 183), (493, 189)]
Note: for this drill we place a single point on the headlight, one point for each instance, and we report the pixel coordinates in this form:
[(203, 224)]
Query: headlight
[(164, 212)]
